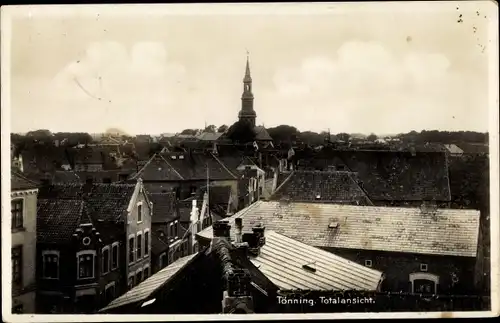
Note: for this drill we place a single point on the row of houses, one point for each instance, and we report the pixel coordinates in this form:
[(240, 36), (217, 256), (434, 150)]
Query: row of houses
[(183, 193), (257, 260)]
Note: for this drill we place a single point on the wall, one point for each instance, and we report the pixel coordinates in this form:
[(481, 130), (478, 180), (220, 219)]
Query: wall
[(134, 227), (27, 238), (398, 266)]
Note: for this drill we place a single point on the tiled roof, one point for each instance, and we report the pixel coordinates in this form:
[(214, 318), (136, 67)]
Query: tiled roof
[(62, 176), (303, 186), (44, 158), (183, 166), (163, 207), (209, 136), (261, 133), (145, 289), (449, 232), (58, 219), (107, 202), (157, 169), (18, 182), (282, 259), (400, 176)]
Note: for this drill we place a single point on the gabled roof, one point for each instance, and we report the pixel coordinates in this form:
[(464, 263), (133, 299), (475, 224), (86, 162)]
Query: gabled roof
[(157, 168), (106, 202), (183, 166), (209, 136), (58, 219), (18, 182), (145, 289), (396, 176), (261, 134), (282, 259), (321, 186), (449, 232)]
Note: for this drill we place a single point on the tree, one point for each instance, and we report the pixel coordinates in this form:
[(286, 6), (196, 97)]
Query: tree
[(372, 137), (211, 128), (241, 132), (189, 132), (222, 128), (283, 133)]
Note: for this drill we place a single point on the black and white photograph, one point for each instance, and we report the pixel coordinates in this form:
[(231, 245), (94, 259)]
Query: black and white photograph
[(178, 162)]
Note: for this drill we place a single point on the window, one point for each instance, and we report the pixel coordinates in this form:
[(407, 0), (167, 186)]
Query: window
[(146, 243), (17, 213), (114, 255), (105, 260), (50, 267), (163, 260), (139, 212), (122, 177), (85, 264), (17, 265), (368, 263), (139, 245), (423, 267), (146, 273), (138, 277), (131, 247), (176, 227), (171, 230), (109, 292)]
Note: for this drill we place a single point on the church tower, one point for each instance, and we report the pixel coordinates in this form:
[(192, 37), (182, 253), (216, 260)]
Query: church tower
[(247, 112)]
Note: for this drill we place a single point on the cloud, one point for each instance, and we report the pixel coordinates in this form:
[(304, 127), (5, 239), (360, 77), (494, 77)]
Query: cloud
[(115, 82), (368, 88)]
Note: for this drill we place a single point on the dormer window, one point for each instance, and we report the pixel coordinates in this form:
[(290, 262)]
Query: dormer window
[(181, 156), (173, 157), (85, 264)]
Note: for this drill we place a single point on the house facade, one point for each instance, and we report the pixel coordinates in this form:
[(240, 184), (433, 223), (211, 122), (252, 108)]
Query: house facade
[(94, 243), (23, 229)]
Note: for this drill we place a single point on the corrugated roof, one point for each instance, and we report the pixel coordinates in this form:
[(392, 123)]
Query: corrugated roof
[(450, 232), (145, 289), (281, 260)]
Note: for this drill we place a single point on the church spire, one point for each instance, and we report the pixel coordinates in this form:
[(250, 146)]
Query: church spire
[(248, 77), (247, 113)]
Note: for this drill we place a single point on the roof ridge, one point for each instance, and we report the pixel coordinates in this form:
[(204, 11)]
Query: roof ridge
[(222, 164), (360, 188), (143, 167), (281, 185)]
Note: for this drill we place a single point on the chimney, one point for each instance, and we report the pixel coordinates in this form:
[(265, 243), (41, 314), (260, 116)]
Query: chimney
[(238, 225), (221, 229), (258, 231), (236, 299)]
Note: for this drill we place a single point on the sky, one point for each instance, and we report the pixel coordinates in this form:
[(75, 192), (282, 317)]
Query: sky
[(348, 68)]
